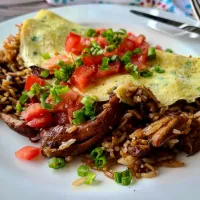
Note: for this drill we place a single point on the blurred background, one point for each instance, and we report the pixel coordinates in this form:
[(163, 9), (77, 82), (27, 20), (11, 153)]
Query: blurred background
[(13, 8)]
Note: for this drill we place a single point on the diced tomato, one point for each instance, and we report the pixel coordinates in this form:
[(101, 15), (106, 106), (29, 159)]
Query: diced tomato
[(52, 63), (69, 99), (82, 76), (42, 121), (75, 44), (30, 80), (33, 111), (113, 69), (102, 42), (126, 45), (27, 153), (92, 60)]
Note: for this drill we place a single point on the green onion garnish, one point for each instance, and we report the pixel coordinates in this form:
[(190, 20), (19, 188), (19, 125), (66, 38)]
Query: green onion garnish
[(61, 89), (78, 117), (117, 177), (18, 107), (85, 52), (47, 106), (152, 53), (121, 31), (110, 48), (79, 61), (91, 33), (126, 177), (23, 98), (137, 51), (146, 73), (126, 58), (158, 69), (46, 56), (104, 65), (44, 73), (90, 178), (83, 170), (95, 49), (169, 51), (101, 162), (135, 74), (35, 89), (123, 178), (96, 153), (56, 163), (129, 67), (114, 58), (34, 38), (88, 100)]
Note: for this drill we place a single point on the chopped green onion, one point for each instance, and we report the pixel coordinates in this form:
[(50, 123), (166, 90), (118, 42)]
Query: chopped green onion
[(117, 177), (91, 33), (126, 177), (78, 117), (135, 74), (101, 162), (83, 170), (169, 51), (44, 73), (158, 69), (152, 53), (79, 61), (96, 153), (90, 178), (95, 49), (137, 51), (121, 31), (85, 52), (47, 106), (56, 163), (61, 89), (104, 65), (23, 98), (126, 58), (65, 71), (88, 100), (35, 89), (110, 48), (18, 107), (46, 56), (146, 73), (114, 58), (89, 111), (43, 97), (129, 67)]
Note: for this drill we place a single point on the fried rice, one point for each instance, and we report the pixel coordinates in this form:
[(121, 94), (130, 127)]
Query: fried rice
[(149, 136)]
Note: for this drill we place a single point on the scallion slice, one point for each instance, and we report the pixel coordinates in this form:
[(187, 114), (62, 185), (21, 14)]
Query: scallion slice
[(137, 51), (90, 178), (78, 117), (117, 177), (110, 48), (101, 162), (44, 73), (18, 107), (146, 73), (83, 170), (152, 53), (104, 65), (96, 153), (158, 69), (126, 58), (79, 61), (23, 98), (114, 58), (56, 163), (169, 50), (87, 100), (91, 32)]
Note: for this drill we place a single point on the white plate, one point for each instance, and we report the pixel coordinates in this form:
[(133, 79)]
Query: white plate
[(34, 180)]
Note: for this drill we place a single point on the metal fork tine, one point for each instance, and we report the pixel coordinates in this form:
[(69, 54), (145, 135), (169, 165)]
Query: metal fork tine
[(196, 8)]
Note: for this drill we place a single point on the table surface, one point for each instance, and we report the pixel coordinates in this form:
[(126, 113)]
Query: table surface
[(13, 8)]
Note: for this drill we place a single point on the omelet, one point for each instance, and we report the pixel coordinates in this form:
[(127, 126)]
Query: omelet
[(47, 32)]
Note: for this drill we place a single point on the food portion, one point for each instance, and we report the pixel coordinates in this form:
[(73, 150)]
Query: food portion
[(105, 95)]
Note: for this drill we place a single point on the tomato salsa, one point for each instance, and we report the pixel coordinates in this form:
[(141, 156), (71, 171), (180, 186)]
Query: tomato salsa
[(98, 54)]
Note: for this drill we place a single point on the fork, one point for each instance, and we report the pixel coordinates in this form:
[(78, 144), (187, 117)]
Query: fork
[(196, 8)]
